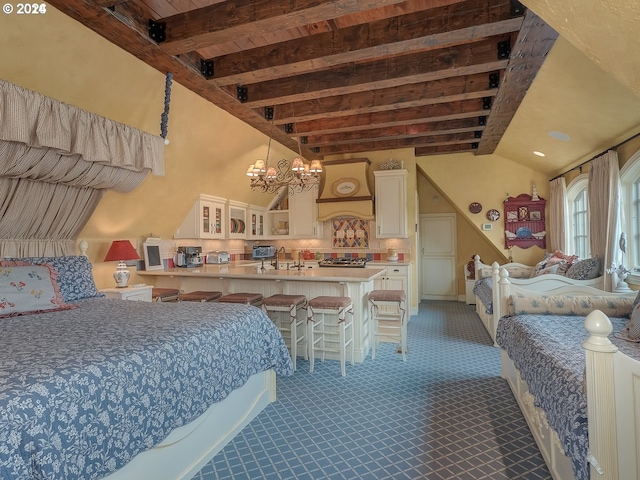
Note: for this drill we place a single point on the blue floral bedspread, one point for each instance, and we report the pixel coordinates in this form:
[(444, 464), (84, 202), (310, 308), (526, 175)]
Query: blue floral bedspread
[(547, 350), (483, 290), (83, 391)]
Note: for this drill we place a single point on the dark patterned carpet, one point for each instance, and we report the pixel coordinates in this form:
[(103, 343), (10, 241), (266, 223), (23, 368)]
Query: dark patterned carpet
[(444, 414)]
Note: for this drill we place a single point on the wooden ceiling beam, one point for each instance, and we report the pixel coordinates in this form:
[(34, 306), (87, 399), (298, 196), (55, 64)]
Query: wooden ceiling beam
[(393, 118), (233, 19), (446, 90), (527, 56), (414, 33), (479, 57), (402, 131)]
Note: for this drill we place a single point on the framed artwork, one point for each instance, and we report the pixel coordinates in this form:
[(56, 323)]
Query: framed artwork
[(534, 216), (152, 257)]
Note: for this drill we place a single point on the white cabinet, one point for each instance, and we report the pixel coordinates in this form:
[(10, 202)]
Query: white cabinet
[(206, 219), (391, 203), (257, 222), (303, 215), (139, 293), (237, 215)]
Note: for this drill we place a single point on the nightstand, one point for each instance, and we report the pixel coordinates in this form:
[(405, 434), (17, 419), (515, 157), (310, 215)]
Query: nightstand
[(470, 296), (138, 293)]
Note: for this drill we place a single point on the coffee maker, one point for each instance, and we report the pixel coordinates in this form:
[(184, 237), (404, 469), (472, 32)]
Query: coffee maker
[(188, 257)]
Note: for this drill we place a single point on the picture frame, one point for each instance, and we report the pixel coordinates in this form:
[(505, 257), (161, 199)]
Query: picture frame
[(534, 216), (152, 256)]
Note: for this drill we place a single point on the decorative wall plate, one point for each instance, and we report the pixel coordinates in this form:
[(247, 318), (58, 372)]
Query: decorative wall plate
[(345, 187), (493, 214), (475, 207), (523, 232)]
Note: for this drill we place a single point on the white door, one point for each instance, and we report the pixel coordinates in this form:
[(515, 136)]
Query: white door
[(438, 257)]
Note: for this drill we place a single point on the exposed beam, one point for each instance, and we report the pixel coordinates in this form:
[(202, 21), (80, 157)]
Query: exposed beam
[(479, 57), (527, 56), (235, 19), (414, 33)]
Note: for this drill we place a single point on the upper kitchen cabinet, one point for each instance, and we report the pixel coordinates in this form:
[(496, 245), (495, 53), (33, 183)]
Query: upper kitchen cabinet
[(237, 215), (303, 215), (206, 219), (391, 203), (257, 222)]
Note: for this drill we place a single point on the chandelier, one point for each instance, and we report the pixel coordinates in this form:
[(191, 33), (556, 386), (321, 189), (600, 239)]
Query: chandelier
[(297, 176)]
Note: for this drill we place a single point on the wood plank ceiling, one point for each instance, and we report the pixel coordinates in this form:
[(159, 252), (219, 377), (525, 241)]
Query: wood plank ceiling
[(342, 76)]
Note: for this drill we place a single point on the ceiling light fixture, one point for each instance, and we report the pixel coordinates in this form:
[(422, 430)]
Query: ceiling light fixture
[(539, 154), (297, 176)]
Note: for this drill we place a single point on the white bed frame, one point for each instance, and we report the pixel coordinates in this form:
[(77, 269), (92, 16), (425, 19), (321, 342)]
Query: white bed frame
[(501, 277), (188, 448), (613, 401)]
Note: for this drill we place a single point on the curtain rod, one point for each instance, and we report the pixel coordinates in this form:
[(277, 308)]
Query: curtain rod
[(596, 156)]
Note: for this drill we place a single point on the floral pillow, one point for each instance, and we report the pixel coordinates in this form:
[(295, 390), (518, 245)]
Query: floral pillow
[(539, 267), (578, 305), (75, 275), (586, 269), (631, 331), (26, 288)]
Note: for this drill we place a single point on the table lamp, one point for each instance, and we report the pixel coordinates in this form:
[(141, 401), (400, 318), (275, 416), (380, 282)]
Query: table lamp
[(120, 251)]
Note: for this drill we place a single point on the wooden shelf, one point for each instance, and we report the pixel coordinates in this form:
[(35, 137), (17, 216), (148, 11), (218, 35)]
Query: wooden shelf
[(524, 222)]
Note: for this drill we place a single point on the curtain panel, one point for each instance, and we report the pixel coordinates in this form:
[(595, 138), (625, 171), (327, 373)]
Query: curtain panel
[(604, 207), (558, 214), (56, 163)]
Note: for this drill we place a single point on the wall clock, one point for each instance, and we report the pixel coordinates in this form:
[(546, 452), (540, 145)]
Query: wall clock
[(345, 187), (493, 214), (475, 207)]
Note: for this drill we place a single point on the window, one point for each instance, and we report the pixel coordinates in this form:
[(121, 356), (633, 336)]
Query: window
[(630, 181), (577, 240)]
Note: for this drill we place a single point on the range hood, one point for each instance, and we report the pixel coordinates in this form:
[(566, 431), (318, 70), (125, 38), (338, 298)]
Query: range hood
[(346, 191)]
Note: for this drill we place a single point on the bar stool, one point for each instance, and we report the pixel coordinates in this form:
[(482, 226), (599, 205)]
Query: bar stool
[(318, 328), (388, 306), (165, 294), (291, 304), (200, 296), (254, 299)]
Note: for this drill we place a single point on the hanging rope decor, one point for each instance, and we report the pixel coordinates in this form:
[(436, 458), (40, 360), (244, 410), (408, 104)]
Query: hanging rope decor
[(164, 118)]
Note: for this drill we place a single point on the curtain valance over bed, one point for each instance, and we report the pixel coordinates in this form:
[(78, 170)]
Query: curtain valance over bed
[(56, 163)]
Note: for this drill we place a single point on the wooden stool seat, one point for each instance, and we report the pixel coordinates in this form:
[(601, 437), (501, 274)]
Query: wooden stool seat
[(200, 296), (290, 327), (165, 294), (388, 306), (319, 331), (254, 299)]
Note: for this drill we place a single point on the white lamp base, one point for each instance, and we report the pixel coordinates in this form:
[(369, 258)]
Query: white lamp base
[(121, 275)]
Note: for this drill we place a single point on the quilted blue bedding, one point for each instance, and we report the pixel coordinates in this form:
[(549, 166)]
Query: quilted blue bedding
[(547, 350), (483, 290), (83, 391)]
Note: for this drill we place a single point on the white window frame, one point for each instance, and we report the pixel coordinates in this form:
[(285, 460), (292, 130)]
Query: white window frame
[(577, 185), (630, 174)]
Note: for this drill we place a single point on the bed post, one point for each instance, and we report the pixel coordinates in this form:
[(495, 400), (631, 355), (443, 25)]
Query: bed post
[(501, 292), (601, 397), (478, 266)]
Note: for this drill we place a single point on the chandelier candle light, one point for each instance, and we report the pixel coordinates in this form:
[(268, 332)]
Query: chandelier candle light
[(297, 176), (120, 251)]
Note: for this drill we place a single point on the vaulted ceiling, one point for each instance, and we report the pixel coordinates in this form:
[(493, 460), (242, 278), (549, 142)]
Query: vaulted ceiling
[(340, 77)]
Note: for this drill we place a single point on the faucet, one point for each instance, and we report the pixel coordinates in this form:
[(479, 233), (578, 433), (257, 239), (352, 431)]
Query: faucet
[(276, 264), (300, 264)]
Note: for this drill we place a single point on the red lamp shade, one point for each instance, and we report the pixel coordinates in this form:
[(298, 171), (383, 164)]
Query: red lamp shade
[(121, 250)]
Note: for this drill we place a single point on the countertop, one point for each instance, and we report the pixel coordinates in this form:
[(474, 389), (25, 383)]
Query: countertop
[(251, 271)]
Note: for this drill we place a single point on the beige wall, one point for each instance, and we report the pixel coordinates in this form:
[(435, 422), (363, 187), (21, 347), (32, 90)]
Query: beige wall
[(209, 150)]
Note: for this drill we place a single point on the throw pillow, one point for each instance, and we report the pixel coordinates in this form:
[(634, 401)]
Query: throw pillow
[(75, 275), (631, 331), (26, 288), (586, 269), (538, 267)]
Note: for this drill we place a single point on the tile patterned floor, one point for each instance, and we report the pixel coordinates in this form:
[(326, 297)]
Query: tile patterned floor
[(444, 414)]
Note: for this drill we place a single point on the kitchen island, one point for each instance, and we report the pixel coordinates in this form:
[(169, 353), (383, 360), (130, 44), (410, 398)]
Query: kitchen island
[(355, 283)]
